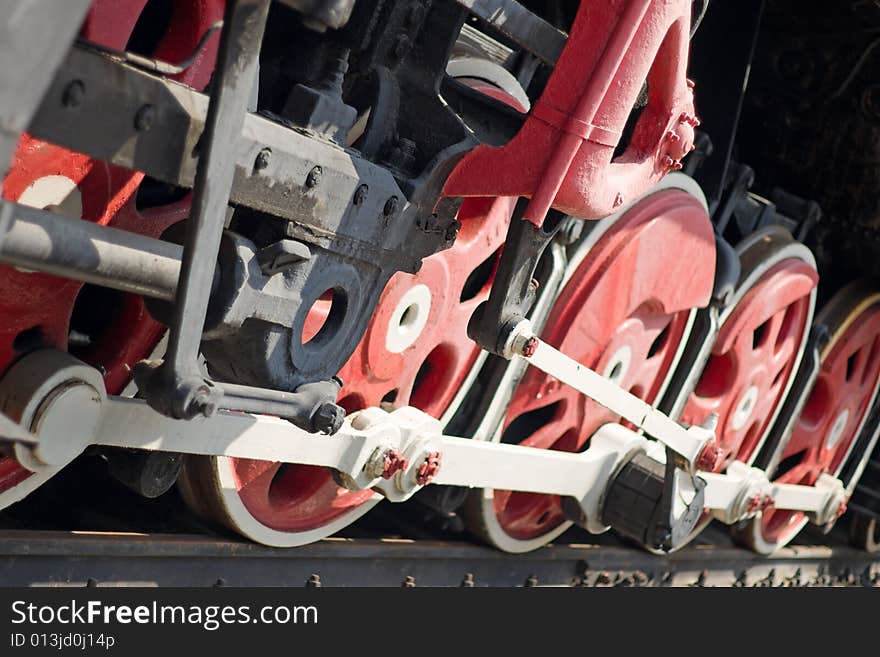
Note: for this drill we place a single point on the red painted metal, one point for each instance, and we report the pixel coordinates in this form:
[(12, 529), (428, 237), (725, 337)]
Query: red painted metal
[(754, 355), (37, 308), (564, 156), (847, 378), (111, 23), (630, 302), (394, 462)]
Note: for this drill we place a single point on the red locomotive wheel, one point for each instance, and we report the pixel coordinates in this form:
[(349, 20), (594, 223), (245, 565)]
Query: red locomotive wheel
[(37, 310), (833, 416), (760, 343), (626, 312), (415, 352)]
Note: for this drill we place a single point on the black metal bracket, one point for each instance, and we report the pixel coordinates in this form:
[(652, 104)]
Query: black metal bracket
[(177, 387), (514, 289)]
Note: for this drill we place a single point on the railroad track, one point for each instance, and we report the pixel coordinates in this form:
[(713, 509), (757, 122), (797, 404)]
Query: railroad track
[(55, 558)]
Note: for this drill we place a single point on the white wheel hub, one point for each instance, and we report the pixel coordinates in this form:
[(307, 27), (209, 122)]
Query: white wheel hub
[(56, 194), (408, 319), (836, 430), (744, 408)]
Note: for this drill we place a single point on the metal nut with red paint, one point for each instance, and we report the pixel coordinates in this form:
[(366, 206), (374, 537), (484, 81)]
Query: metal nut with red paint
[(393, 462), (428, 469), (710, 458), (755, 504), (530, 347)]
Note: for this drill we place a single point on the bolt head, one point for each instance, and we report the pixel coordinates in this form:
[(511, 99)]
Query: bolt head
[(314, 177), (393, 462), (710, 458), (73, 94), (391, 206), (328, 418), (262, 159), (203, 404), (144, 118), (360, 194), (428, 469), (530, 347)]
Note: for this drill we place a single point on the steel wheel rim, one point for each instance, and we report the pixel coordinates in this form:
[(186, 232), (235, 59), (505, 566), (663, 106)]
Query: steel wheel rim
[(753, 252)]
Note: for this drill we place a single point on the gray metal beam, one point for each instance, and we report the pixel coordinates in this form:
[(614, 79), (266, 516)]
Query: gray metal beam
[(272, 161), (34, 36), (37, 240)]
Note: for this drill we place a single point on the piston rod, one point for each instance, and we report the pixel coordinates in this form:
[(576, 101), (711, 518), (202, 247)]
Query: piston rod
[(40, 241)]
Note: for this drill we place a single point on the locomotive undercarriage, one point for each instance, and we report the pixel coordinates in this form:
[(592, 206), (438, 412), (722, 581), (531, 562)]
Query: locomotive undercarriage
[(343, 324)]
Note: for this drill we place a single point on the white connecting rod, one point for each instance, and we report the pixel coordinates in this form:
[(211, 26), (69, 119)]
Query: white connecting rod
[(688, 443), (359, 450), (65, 408)]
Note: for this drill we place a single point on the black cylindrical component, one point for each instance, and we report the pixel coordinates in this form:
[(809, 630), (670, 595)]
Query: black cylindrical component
[(634, 506), (37, 240), (150, 474)]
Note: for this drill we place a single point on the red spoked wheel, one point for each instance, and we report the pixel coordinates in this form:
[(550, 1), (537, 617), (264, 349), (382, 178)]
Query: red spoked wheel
[(625, 312), (760, 343), (416, 352), (833, 416), (108, 330)]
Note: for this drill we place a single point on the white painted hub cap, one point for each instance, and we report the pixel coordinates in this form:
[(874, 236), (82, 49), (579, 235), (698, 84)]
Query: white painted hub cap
[(408, 319), (744, 408), (836, 430)]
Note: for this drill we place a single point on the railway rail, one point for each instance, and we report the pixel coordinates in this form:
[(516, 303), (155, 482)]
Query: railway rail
[(52, 558)]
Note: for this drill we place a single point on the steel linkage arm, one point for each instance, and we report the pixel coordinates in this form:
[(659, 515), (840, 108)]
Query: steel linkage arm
[(64, 405), (694, 445), (177, 387)]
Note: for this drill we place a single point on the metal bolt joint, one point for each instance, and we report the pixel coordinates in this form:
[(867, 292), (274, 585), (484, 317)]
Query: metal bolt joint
[(428, 469), (710, 457), (328, 418)]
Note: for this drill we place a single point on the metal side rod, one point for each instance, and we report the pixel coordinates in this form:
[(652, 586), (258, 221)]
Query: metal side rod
[(180, 389), (64, 404), (694, 444), (400, 452)]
